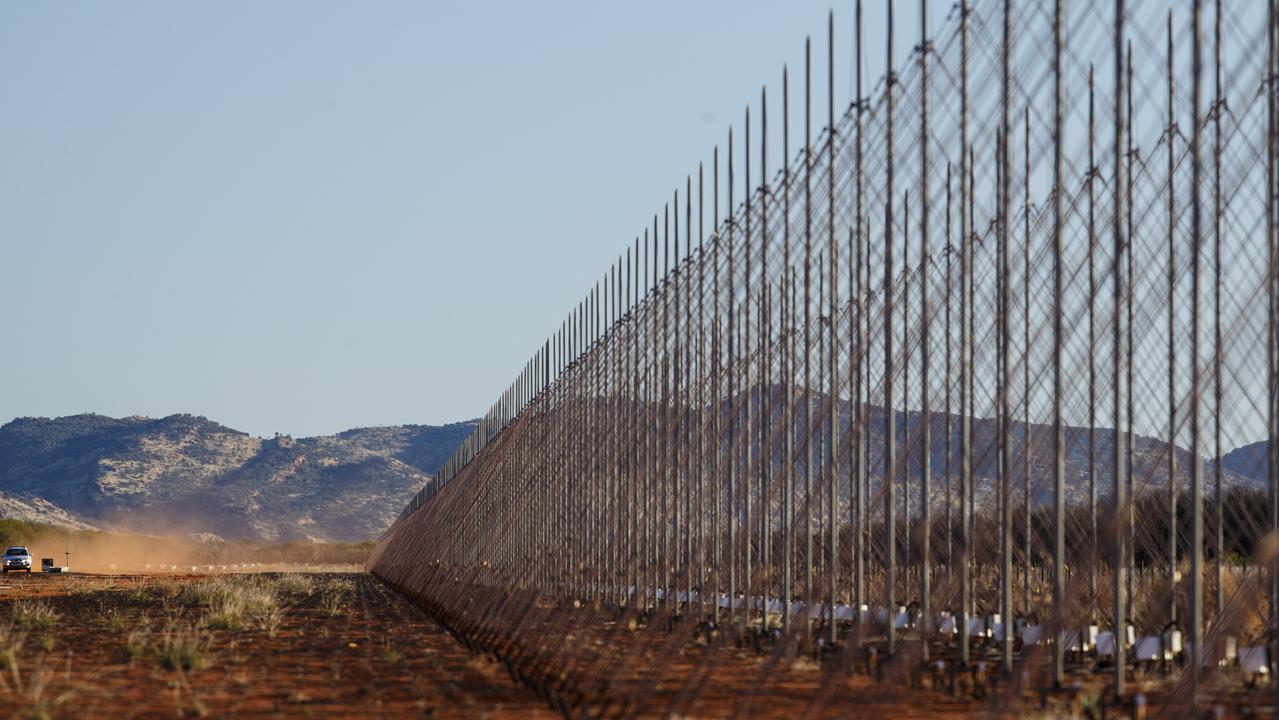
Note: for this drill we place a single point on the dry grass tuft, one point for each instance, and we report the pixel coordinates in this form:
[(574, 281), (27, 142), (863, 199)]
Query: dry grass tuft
[(33, 614), (182, 647), (11, 642), (234, 603)]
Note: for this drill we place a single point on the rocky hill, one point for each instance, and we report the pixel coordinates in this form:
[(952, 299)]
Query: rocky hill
[(1249, 461), (188, 474)]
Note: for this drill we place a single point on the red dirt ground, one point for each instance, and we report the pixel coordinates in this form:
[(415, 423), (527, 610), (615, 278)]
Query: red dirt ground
[(380, 657)]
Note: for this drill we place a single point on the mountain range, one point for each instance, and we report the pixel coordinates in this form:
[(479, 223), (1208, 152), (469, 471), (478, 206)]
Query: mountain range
[(186, 474)]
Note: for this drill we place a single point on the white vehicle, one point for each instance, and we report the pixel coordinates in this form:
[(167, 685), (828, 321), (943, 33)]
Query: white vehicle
[(17, 558)]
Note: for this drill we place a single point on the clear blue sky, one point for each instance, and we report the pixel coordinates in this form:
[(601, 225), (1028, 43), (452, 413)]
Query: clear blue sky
[(307, 216)]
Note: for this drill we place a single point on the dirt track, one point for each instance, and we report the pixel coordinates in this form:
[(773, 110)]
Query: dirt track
[(375, 655)]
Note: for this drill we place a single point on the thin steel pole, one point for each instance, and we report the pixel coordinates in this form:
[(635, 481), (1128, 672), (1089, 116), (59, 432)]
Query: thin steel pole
[(669, 519), (1120, 554), (832, 447), (562, 554), (1006, 589), (701, 396), (950, 533), (925, 260), (616, 358), (632, 292), (639, 451), (666, 466), (907, 449), (766, 355), (644, 366), (1196, 468), (860, 402), (808, 346), (571, 486), (741, 389), (791, 543), (823, 519), (971, 359), (854, 392), (788, 377), (683, 379), (1272, 335), (718, 403), (1059, 441), (965, 343), (766, 442), (596, 515), (869, 297), (1027, 445), (649, 399), (890, 424), (1219, 106), (1130, 413), (1172, 327), (749, 435), (596, 544), (732, 402), (561, 468), (652, 432), (1093, 173)]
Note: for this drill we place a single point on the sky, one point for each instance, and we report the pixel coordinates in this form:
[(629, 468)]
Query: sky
[(301, 217)]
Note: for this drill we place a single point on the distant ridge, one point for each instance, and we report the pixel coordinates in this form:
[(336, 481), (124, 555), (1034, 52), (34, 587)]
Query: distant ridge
[(188, 474)]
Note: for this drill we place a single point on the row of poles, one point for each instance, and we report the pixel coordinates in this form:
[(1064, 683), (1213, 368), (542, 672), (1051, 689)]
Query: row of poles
[(742, 426)]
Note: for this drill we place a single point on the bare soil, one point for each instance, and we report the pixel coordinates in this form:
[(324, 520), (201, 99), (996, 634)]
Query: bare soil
[(374, 655)]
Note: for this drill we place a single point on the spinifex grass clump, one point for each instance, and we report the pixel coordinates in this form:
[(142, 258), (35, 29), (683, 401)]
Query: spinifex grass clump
[(113, 619), (182, 647), (294, 585), (333, 596), (233, 604), (33, 614)]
